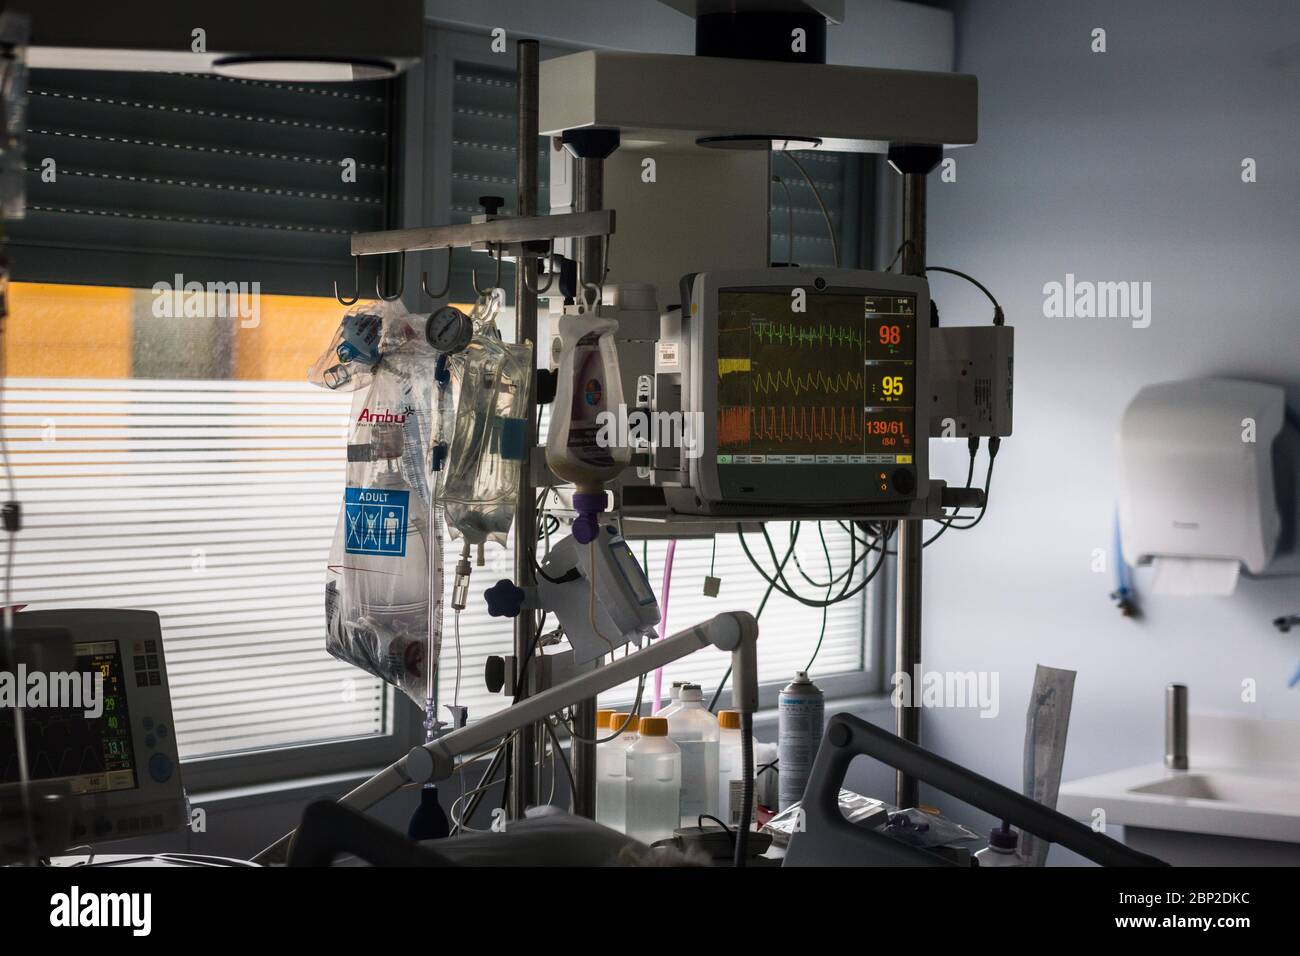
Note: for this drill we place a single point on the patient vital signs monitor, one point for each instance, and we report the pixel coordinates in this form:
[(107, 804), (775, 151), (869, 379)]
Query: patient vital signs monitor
[(118, 761), (807, 386)]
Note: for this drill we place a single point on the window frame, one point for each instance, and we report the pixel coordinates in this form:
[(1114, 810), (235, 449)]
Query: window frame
[(351, 755)]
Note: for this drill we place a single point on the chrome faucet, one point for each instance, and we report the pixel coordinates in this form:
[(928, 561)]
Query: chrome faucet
[(1176, 726)]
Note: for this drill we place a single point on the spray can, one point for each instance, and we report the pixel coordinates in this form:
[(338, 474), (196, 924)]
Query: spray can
[(801, 716)]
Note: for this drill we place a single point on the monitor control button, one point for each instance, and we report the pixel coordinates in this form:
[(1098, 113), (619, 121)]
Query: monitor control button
[(904, 481), (150, 741), (147, 723), (160, 768)]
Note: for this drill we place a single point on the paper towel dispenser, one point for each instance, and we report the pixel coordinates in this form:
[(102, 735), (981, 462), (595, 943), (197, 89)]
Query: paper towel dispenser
[(1197, 492)]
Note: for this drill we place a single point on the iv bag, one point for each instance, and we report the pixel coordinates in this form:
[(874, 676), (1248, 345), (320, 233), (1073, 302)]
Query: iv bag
[(487, 446)]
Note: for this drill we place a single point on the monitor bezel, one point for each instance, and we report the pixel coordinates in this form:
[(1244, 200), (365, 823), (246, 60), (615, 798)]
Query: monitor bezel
[(804, 485)]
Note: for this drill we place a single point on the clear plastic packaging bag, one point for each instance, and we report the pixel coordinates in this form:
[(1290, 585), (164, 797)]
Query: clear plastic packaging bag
[(384, 559), (354, 350)]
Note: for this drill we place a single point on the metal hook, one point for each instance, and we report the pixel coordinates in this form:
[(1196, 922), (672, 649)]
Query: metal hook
[(356, 284), (401, 281), (550, 276), (446, 286), (473, 277)]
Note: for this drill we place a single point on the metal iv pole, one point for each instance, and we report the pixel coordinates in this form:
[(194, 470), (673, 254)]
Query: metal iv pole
[(915, 163), (523, 749)]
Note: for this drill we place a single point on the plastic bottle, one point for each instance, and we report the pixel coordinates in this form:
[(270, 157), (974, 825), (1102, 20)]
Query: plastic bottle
[(674, 699), (695, 731), (654, 783), (801, 716), (731, 768), (582, 446), (610, 784), (1001, 851)]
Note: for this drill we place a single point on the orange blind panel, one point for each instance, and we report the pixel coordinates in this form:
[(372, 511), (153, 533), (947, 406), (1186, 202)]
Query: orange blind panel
[(61, 331), (79, 331), (290, 333)]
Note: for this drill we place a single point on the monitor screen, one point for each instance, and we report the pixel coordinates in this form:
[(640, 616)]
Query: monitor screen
[(831, 385), (94, 754)]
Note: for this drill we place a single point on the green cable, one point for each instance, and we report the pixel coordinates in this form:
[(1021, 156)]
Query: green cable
[(759, 612), (830, 573)]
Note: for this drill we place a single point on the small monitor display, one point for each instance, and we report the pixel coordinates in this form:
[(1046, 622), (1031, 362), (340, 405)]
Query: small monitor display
[(93, 754), (830, 385)]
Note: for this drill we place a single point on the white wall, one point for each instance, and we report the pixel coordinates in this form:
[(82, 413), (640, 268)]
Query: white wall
[(1116, 166), (885, 33)]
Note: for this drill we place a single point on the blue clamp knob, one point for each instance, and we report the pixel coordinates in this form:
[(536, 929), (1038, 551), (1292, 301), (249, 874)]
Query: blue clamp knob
[(504, 599)]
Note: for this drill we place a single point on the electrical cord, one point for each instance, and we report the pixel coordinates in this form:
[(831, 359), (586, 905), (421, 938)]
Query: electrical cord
[(758, 613), (973, 445), (844, 594), (826, 610), (994, 444), (998, 317), (830, 226), (789, 205), (568, 767)]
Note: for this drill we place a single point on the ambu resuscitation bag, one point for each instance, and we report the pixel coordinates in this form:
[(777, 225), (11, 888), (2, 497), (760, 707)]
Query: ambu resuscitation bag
[(378, 582)]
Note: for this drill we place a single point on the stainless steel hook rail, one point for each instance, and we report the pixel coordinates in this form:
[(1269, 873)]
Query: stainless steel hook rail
[(498, 232)]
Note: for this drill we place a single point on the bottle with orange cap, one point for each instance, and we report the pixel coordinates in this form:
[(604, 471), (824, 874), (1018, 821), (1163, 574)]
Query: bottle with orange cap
[(654, 783), (611, 769), (731, 767)]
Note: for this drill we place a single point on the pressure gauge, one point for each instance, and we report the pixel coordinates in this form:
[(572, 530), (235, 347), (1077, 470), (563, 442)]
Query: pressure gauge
[(449, 329)]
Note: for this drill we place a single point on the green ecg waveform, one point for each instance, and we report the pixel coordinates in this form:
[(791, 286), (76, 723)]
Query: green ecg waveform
[(818, 381), (779, 333)]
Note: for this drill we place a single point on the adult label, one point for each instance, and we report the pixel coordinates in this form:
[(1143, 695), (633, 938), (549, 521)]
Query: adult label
[(376, 521)]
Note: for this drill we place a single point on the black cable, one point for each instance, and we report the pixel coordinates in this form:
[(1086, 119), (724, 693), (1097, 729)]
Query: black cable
[(998, 317), (821, 638), (807, 602), (822, 584), (568, 768), (994, 444), (747, 800), (699, 821), (757, 614), (973, 445)]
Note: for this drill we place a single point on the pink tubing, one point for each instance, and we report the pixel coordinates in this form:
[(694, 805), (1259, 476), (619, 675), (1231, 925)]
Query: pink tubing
[(663, 619)]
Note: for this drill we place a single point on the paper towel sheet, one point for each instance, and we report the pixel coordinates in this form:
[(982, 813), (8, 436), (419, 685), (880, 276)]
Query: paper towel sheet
[(1194, 577)]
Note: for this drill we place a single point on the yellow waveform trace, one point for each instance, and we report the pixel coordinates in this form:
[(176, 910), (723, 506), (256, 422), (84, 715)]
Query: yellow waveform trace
[(728, 366), (818, 381)]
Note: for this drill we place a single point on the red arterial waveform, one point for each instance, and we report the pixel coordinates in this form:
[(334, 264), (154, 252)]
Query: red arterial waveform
[(840, 423)]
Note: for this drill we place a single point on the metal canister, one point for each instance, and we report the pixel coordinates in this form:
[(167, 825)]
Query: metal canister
[(801, 718)]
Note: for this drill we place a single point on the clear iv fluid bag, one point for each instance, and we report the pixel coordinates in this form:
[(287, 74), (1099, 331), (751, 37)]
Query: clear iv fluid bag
[(481, 480), (583, 446)]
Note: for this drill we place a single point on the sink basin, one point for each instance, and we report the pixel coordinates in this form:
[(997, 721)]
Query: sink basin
[(1225, 801), (1226, 788)]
